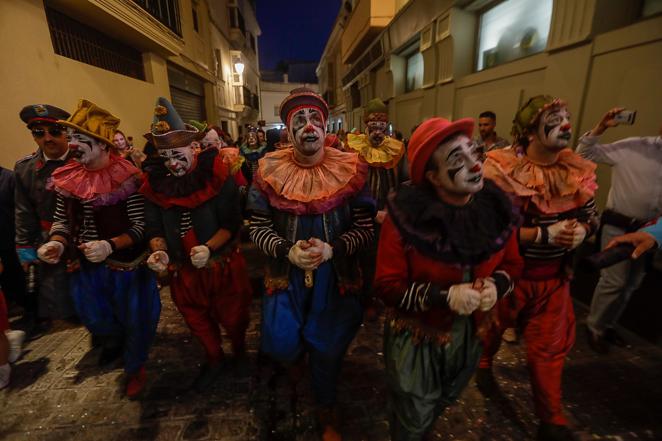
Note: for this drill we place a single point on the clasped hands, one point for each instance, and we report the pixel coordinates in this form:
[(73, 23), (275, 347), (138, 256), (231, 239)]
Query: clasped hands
[(95, 251), (310, 254), (465, 298), (567, 233)]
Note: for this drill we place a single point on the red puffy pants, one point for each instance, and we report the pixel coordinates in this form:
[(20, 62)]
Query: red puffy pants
[(543, 311), (207, 297)]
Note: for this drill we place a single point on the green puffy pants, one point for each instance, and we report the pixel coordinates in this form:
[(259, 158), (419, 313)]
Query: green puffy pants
[(426, 377)]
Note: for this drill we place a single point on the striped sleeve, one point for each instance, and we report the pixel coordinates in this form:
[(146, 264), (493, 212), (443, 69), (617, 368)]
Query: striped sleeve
[(420, 296), (60, 222), (262, 233), (360, 234), (589, 215), (503, 282), (135, 207)]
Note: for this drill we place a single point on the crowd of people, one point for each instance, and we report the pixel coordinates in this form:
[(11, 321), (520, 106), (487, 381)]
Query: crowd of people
[(454, 239)]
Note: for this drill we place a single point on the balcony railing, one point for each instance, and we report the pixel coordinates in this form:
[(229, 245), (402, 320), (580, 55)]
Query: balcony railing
[(165, 11)]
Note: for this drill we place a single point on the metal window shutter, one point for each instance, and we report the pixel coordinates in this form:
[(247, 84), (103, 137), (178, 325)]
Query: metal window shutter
[(188, 105)]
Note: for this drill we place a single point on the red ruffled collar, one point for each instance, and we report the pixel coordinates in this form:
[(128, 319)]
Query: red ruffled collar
[(310, 190), (215, 178), (107, 186)]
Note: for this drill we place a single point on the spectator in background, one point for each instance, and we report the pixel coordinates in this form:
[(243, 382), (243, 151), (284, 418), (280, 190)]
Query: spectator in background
[(635, 198), (489, 140), (125, 149), (261, 137)]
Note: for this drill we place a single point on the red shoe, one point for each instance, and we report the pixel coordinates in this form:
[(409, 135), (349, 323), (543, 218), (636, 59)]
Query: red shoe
[(136, 384)]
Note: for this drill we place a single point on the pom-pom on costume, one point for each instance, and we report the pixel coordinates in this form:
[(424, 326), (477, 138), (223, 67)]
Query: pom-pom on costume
[(99, 218), (311, 308), (193, 216), (428, 251), (548, 194)]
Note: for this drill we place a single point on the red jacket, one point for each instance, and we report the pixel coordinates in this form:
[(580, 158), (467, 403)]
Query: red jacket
[(399, 265)]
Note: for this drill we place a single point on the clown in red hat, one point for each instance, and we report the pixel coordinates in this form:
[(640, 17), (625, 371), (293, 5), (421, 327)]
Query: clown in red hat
[(447, 252), (311, 215)]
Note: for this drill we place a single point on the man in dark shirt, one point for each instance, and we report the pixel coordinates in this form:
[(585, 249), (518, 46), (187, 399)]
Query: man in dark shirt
[(35, 204)]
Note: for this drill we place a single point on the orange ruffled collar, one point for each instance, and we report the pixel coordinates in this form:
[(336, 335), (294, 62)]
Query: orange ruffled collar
[(310, 190), (567, 184), (387, 155)]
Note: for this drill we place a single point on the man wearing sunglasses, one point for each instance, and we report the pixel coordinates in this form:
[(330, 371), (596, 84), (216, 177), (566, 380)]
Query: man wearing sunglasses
[(35, 205)]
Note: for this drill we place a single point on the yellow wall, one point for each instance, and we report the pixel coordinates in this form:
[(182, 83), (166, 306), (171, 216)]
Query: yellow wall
[(30, 72)]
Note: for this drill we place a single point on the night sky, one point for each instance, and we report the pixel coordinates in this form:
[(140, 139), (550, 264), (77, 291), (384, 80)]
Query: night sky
[(294, 29)]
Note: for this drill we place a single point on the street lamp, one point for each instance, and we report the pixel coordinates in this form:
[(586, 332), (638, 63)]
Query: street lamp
[(239, 67)]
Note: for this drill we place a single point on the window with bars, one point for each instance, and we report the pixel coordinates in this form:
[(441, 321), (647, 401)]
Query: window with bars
[(80, 42), (165, 11)]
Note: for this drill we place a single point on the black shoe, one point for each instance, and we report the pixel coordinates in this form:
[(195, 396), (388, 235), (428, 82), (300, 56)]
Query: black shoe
[(556, 432), (209, 372), (597, 342), (96, 341), (486, 382), (614, 338), (112, 350)]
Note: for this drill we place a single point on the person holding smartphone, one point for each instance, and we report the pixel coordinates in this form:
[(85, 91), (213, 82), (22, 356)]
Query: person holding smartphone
[(635, 198)]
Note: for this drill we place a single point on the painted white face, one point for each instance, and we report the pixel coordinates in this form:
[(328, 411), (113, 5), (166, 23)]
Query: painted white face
[(251, 139), (211, 140), (554, 129), (376, 132), (85, 149), (459, 166), (307, 131), (178, 160), (120, 142)]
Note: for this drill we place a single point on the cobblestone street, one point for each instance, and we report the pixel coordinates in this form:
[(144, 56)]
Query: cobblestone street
[(59, 393)]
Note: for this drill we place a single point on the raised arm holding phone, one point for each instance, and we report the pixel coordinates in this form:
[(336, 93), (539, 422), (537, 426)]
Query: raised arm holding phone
[(635, 198)]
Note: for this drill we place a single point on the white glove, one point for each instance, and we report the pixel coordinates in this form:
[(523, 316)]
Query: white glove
[(96, 250), (488, 294), (158, 261), (51, 251), (200, 255), (319, 246), (555, 229), (301, 257), (579, 234), (463, 299)]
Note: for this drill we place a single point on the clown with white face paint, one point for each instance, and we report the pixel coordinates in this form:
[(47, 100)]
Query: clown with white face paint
[(311, 214), (252, 151), (193, 217), (555, 188), (383, 154), (447, 252), (98, 229)]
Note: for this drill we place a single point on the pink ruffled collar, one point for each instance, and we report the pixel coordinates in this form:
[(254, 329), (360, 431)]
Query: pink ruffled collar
[(106, 186)]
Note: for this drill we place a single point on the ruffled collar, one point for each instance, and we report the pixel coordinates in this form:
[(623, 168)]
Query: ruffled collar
[(232, 159), (464, 235), (107, 186), (190, 190), (567, 184), (253, 154), (310, 190), (387, 155)]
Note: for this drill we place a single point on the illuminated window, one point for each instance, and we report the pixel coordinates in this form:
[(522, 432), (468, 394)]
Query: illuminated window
[(513, 29), (414, 70), (651, 7)]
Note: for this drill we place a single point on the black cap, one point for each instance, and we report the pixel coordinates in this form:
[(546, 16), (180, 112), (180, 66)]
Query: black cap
[(42, 113)]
